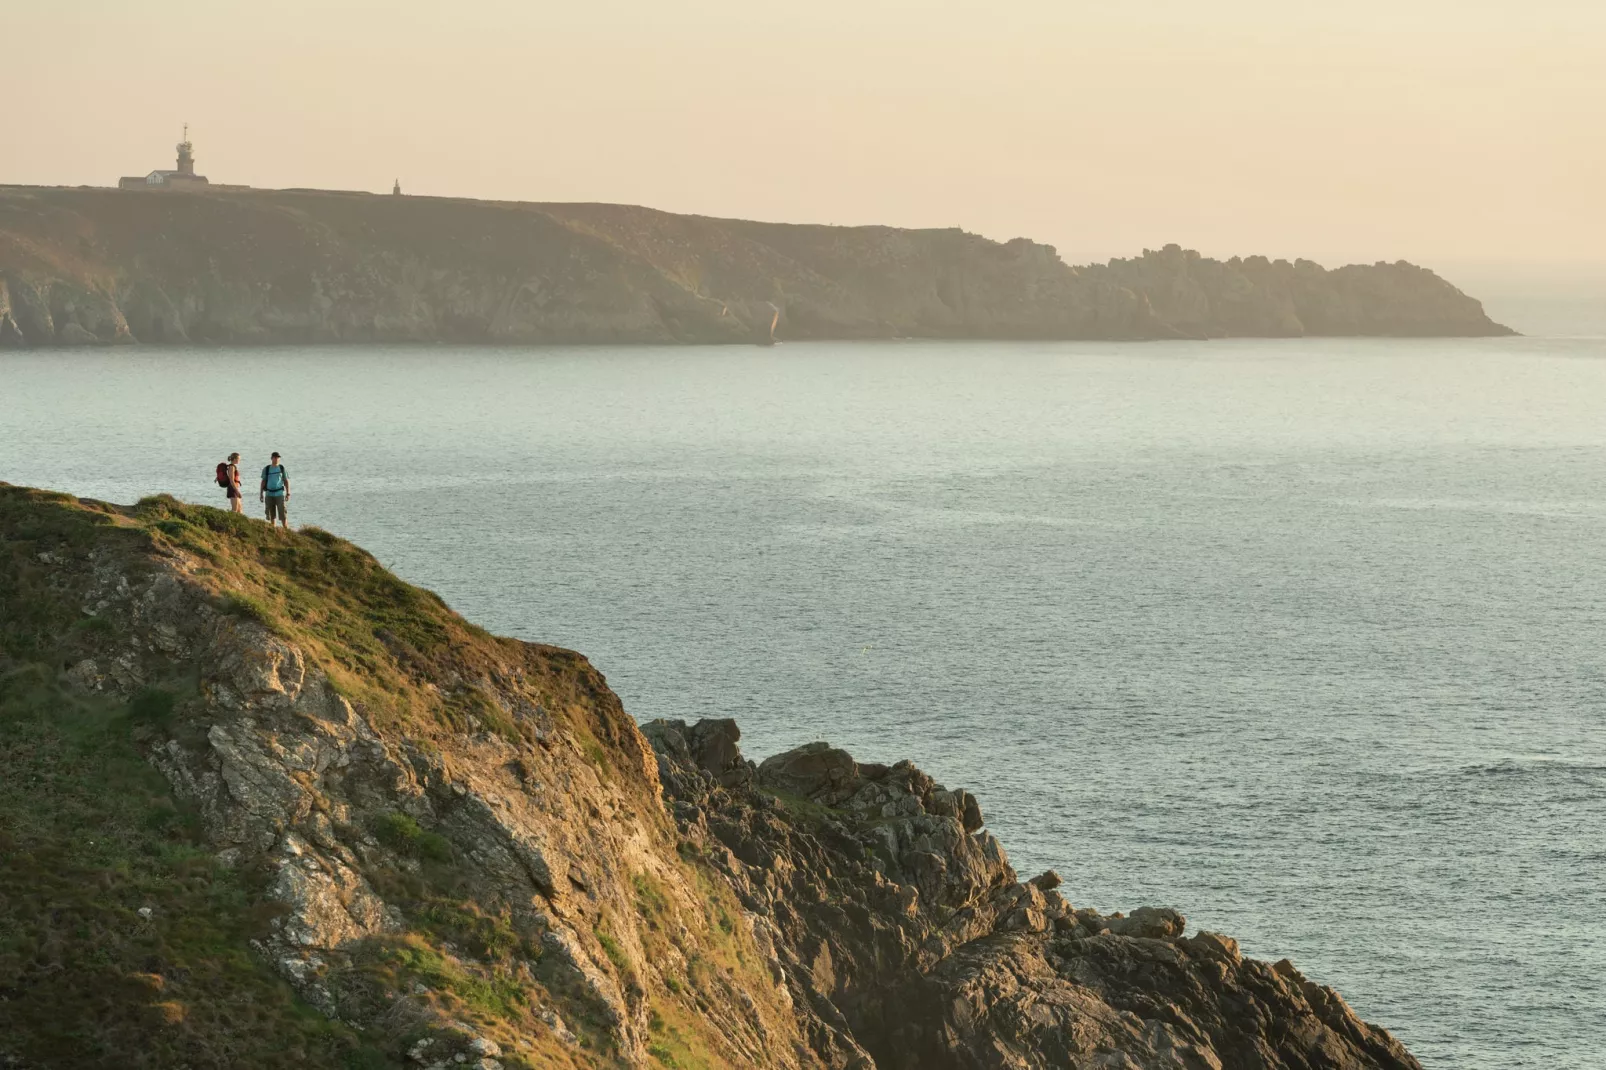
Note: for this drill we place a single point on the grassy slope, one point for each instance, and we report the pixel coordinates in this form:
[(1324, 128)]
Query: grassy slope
[(91, 833)]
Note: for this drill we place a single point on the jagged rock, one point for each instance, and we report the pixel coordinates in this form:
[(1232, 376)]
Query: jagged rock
[(1150, 923), (710, 745), (1213, 945), (928, 952), (816, 771), (970, 812)]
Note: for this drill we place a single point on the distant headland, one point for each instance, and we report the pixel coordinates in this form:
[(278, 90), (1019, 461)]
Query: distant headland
[(173, 259)]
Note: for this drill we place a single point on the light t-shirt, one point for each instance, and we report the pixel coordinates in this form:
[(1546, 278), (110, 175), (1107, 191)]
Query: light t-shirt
[(284, 480)]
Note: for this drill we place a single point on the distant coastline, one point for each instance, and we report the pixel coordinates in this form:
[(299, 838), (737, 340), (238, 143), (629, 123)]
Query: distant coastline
[(94, 266)]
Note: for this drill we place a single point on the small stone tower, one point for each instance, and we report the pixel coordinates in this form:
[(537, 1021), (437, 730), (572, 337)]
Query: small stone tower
[(395, 191), (186, 154)]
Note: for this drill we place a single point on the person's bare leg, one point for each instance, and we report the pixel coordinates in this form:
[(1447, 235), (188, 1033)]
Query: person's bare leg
[(237, 503)]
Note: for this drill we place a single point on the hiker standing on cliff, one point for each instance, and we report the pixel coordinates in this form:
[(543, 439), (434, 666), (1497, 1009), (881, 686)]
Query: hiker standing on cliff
[(228, 477), (275, 491)]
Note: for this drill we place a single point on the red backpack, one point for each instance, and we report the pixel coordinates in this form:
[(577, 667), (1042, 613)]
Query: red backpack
[(223, 479)]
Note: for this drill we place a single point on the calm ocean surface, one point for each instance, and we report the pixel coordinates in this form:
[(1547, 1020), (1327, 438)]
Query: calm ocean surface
[(1302, 638)]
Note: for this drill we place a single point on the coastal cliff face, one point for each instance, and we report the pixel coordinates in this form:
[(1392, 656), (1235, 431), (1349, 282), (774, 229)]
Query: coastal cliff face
[(97, 266), (1254, 297), (263, 804), (899, 916)]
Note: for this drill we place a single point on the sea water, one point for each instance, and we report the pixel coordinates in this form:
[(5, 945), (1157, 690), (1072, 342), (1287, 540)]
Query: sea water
[(1304, 638)]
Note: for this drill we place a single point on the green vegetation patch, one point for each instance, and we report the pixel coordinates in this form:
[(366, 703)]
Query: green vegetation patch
[(152, 705), (675, 1044), (809, 813), (40, 535), (411, 958), (470, 709), (401, 833), (123, 943), (651, 902), (487, 936), (615, 952)]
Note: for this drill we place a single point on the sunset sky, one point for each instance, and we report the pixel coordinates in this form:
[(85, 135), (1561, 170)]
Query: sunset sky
[(1445, 131)]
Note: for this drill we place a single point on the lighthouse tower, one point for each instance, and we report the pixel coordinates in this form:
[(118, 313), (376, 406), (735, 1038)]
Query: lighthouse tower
[(186, 154)]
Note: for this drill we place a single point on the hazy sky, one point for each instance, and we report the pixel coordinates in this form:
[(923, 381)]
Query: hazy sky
[(1447, 131)]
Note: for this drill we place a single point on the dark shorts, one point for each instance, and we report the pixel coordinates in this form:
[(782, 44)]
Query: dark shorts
[(234, 492), (276, 509)]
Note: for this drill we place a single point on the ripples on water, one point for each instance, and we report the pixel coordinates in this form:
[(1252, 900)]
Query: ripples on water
[(1301, 638)]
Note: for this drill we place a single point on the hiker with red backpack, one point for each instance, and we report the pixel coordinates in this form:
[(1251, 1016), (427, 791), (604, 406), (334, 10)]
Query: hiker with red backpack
[(228, 477)]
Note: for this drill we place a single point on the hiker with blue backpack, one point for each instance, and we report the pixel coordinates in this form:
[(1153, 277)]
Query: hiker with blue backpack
[(275, 491)]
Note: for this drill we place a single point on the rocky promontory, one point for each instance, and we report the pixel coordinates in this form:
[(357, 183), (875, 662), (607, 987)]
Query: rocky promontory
[(263, 804), (93, 266)]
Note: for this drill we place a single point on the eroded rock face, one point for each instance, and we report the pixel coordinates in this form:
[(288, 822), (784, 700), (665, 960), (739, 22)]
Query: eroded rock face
[(87, 266), (902, 929), (557, 839)]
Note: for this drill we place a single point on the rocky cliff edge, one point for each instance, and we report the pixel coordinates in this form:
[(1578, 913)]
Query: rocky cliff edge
[(97, 266), (263, 804)]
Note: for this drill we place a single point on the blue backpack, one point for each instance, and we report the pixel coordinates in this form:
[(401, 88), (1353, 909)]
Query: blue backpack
[(273, 476)]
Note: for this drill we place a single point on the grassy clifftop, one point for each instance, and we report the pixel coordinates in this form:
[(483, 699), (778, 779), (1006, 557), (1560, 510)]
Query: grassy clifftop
[(98, 266), (383, 642), (263, 804)]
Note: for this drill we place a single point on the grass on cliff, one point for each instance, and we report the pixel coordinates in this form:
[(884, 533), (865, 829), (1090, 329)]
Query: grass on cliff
[(397, 649), (720, 964), (91, 836), (123, 942)]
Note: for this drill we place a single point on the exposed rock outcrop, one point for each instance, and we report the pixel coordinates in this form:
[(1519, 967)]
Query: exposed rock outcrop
[(895, 911), (1254, 297), (84, 266), (463, 852)]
